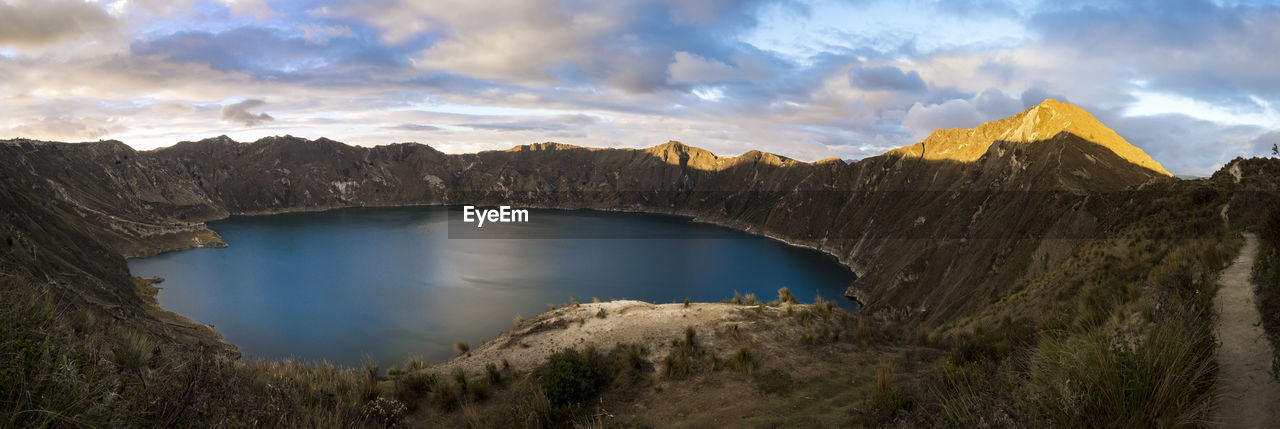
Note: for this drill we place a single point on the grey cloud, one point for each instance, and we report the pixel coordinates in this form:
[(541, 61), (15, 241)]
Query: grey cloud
[(556, 123), (1265, 142), (1032, 97), (239, 112), (885, 78), (26, 23), (1215, 53), (1187, 145), (994, 104), (413, 127)]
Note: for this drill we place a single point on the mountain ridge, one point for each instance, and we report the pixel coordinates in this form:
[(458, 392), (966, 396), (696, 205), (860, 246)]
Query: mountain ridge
[(105, 201), (1041, 122)]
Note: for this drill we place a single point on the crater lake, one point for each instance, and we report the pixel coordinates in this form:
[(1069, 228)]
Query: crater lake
[(400, 282)]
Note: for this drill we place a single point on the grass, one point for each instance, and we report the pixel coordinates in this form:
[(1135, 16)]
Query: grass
[(462, 347), (743, 361), (1166, 379), (1266, 277), (64, 367)]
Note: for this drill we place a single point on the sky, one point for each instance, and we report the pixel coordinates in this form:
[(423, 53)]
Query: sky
[(1193, 83)]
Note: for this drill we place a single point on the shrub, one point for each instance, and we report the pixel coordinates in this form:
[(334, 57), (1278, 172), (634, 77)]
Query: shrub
[(601, 314), (413, 386), (385, 412), (568, 379), (462, 347)]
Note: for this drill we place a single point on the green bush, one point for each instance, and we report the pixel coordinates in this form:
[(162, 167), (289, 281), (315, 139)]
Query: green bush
[(569, 379)]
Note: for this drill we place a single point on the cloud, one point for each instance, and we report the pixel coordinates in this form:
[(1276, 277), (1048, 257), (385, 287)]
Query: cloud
[(26, 23), (888, 78), (239, 112), (954, 113), (992, 103), (557, 123), (67, 128), (255, 8), (413, 127), (807, 79), (1211, 52), (269, 52), (320, 34), (1034, 96), (690, 68)]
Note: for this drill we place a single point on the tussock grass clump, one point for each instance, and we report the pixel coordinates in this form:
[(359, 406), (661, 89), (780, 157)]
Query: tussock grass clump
[(861, 330), (602, 313), (133, 354), (462, 347), (413, 386), (491, 370), (446, 397), (785, 296), (460, 377), (743, 361), (886, 399), (1167, 378), (680, 361)]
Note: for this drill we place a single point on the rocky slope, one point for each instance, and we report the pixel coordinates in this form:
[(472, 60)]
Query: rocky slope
[(933, 229)]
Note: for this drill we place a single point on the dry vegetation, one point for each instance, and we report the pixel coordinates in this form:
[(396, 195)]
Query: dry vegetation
[(1118, 335)]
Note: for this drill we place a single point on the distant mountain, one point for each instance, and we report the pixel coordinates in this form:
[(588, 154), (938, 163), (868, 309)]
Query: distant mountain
[(934, 229), (1043, 122)]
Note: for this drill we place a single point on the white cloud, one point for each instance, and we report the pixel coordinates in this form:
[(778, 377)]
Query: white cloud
[(955, 113)]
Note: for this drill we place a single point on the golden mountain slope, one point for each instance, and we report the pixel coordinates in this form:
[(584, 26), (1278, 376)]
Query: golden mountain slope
[(1042, 122)]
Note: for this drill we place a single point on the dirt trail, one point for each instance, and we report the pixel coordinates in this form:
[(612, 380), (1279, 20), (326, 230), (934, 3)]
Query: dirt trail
[(1250, 397)]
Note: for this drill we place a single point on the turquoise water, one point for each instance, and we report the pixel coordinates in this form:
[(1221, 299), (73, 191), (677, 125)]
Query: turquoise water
[(390, 283)]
